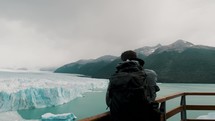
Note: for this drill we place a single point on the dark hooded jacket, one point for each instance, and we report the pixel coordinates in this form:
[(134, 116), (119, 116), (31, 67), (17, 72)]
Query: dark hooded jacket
[(152, 88), (151, 78)]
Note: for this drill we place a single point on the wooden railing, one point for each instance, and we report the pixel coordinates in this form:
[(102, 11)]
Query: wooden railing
[(182, 108)]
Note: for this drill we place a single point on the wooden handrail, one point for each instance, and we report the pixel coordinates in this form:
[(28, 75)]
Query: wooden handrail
[(169, 97), (167, 114), (100, 117), (183, 107), (200, 93)]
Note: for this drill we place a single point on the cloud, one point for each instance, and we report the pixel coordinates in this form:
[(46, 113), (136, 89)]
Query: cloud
[(68, 30), (23, 46)]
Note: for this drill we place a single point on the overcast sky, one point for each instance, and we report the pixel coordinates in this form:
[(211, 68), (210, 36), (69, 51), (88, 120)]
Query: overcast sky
[(44, 33)]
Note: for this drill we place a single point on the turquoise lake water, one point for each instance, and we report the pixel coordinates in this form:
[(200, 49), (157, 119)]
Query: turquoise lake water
[(94, 103)]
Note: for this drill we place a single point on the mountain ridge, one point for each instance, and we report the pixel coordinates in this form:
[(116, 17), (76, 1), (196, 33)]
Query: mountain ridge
[(172, 62)]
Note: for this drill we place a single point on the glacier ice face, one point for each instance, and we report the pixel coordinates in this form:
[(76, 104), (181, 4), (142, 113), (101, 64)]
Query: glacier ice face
[(36, 98), (32, 90), (58, 117)]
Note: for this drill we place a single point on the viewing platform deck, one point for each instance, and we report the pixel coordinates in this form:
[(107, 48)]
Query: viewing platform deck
[(181, 108)]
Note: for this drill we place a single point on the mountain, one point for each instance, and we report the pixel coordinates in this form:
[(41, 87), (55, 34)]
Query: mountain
[(191, 65), (86, 67), (179, 46), (179, 62), (147, 50)]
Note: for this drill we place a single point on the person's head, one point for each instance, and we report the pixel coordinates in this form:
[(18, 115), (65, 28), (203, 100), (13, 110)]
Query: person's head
[(131, 55), (128, 55)]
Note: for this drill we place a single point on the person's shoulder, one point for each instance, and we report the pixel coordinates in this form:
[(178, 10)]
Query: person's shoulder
[(150, 72)]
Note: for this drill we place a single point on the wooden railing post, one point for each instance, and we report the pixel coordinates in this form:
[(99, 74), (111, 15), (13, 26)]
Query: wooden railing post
[(183, 112), (163, 111)]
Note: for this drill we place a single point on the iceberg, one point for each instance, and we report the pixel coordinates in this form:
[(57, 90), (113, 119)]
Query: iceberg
[(210, 115), (58, 117), (38, 90)]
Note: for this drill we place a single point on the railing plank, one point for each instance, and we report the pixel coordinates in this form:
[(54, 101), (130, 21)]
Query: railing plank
[(163, 99), (200, 107), (100, 117), (200, 93), (200, 120), (174, 111)]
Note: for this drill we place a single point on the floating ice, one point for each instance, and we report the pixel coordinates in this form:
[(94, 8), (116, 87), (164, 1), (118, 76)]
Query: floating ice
[(58, 117), (210, 115)]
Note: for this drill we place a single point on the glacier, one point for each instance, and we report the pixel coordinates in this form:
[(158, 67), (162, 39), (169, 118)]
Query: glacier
[(38, 90)]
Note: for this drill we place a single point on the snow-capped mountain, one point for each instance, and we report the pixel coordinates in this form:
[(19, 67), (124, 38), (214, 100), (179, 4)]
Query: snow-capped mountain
[(180, 61), (179, 46), (147, 50), (107, 58)]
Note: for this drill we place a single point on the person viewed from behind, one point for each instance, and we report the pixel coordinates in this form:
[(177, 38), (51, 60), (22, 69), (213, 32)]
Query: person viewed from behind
[(130, 90)]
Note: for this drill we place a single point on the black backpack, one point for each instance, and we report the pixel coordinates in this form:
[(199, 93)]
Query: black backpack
[(127, 92)]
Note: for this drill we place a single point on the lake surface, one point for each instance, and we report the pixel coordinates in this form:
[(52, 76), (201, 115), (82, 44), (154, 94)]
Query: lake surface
[(93, 102)]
